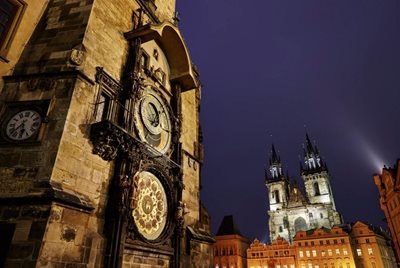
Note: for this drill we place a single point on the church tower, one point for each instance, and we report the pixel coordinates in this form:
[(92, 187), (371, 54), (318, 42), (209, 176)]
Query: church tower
[(101, 146), (316, 176), (292, 209), (276, 183)]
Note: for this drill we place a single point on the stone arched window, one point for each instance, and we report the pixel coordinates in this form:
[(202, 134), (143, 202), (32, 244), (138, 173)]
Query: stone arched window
[(316, 189), (300, 224), (277, 199)]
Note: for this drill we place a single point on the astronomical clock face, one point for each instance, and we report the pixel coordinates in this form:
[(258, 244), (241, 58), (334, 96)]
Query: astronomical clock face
[(23, 125), (153, 121), (151, 207)]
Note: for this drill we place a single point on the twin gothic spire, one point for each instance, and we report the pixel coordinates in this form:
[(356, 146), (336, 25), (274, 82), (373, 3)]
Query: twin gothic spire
[(312, 161)]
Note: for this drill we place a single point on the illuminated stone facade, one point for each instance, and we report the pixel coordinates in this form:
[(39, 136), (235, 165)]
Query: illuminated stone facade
[(289, 209), (372, 247), (388, 184), (359, 245), (230, 246), (323, 248), (102, 169), (277, 254)]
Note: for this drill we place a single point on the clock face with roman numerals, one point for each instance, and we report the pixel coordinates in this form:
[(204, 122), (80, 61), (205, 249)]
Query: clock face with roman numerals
[(23, 125)]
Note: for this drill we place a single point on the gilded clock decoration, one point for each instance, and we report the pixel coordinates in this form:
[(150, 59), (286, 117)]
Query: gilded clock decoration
[(153, 121), (23, 125), (150, 211)]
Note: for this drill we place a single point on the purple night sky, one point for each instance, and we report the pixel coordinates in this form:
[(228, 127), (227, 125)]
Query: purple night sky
[(269, 67)]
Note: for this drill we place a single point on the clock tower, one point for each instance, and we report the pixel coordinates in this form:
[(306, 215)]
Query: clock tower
[(100, 141)]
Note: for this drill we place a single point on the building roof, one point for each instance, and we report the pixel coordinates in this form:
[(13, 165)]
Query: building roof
[(228, 227)]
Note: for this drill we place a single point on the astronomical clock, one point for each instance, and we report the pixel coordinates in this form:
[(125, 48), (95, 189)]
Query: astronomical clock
[(100, 138)]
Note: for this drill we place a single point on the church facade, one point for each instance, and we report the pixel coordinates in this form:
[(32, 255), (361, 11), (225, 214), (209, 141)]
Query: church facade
[(292, 210), (100, 140)]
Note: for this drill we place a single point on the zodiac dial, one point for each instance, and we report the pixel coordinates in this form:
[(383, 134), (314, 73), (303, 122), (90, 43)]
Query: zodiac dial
[(151, 207)]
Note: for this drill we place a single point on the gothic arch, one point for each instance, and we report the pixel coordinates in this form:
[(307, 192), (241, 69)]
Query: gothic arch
[(300, 224), (171, 41)]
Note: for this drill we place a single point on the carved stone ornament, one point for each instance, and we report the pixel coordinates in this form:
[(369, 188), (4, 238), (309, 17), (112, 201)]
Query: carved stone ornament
[(109, 140), (44, 84), (180, 217), (137, 85), (77, 54)]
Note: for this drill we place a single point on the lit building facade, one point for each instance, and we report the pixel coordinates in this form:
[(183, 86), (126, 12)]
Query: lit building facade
[(230, 246), (100, 138), (345, 246), (372, 247), (278, 254), (290, 210), (388, 184), (324, 248)]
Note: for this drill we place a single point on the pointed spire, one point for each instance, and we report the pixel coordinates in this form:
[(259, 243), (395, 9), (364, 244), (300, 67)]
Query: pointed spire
[(275, 165), (309, 146), (274, 158)]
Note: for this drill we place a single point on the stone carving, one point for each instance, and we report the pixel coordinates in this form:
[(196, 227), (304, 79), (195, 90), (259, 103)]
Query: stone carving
[(44, 84), (109, 140), (180, 217), (77, 54), (124, 185)]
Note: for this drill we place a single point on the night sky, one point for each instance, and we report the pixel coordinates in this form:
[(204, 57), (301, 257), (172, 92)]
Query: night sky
[(270, 67)]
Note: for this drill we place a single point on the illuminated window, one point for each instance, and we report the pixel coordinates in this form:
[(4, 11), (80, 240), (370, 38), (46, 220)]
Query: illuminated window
[(303, 266), (310, 265), (301, 254), (316, 266), (323, 253), (359, 253), (307, 253), (337, 251), (345, 252), (314, 253), (216, 266), (329, 252), (278, 266), (292, 266), (370, 251)]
